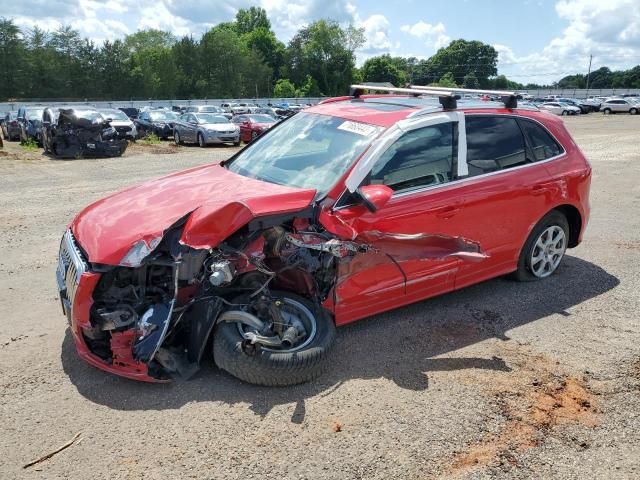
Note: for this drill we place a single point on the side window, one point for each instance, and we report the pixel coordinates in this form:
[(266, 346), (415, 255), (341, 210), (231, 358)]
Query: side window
[(541, 142), (420, 158), (493, 143)]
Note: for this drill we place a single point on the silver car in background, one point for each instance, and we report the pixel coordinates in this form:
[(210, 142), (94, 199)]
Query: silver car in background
[(119, 120), (205, 129), (619, 105), (208, 109)]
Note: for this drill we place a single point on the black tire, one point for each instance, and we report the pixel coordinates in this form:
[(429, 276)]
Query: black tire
[(201, 141), (254, 135), (564, 113), (633, 111), (236, 144), (553, 218), (272, 368), (176, 138), (606, 111)]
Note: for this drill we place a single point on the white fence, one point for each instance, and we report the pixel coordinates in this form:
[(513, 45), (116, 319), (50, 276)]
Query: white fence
[(10, 106)]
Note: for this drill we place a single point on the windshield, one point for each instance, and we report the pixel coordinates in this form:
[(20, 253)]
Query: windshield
[(211, 118), (34, 113), (88, 115), (209, 109), (114, 114), (160, 116), (307, 151), (261, 118)]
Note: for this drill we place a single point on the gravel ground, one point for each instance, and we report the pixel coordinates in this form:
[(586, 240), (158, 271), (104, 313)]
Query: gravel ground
[(501, 379)]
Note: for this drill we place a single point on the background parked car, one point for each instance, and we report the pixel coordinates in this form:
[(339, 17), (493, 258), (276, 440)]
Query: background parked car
[(30, 121), (244, 107), (559, 108), (205, 129), (209, 109), (619, 105), (119, 120), (130, 112), (73, 132), (584, 108), (271, 112), (158, 122), (252, 126), (10, 126)]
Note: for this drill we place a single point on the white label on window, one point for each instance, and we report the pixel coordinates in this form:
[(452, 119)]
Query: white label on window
[(358, 128)]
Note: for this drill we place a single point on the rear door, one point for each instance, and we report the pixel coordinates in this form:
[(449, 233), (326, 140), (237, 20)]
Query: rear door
[(506, 192)]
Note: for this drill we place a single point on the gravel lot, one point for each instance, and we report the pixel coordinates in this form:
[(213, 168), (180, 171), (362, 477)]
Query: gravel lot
[(501, 379)]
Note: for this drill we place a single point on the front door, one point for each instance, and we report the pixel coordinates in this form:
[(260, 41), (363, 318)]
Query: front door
[(410, 235)]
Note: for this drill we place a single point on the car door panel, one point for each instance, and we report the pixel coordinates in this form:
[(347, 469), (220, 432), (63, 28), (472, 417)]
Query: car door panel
[(411, 223)]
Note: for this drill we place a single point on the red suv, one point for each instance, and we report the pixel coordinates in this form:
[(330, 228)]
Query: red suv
[(356, 206)]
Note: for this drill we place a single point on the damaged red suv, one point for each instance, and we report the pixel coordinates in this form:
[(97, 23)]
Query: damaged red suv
[(353, 207)]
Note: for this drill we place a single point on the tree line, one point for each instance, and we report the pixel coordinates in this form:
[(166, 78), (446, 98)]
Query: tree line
[(239, 59)]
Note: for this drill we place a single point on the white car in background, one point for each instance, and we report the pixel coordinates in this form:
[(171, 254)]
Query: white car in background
[(559, 108), (619, 105)]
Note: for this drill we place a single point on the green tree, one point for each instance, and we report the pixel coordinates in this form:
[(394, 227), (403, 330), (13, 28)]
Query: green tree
[(284, 89), (445, 81), (150, 38), (309, 88), (325, 51), (383, 69), (264, 42), (460, 58), (470, 81), (12, 58), (248, 20)]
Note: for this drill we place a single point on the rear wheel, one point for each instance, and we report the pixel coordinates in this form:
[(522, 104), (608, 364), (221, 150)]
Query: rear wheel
[(254, 135), (299, 357), (544, 249), (201, 141), (564, 113), (176, 138)]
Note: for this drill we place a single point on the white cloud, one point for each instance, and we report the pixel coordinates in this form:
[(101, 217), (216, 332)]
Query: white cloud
[(434, 36), (608, 30)]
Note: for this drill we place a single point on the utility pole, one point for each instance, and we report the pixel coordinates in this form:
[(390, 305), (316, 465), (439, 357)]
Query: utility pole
[(589, 73)]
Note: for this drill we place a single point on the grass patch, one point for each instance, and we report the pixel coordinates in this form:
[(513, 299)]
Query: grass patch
[(30, 145), (151, 139)]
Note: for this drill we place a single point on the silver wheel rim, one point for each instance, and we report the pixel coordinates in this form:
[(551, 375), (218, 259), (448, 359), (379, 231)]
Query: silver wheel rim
[(548, 251), (176, 137), (200, 140), (296, 312)]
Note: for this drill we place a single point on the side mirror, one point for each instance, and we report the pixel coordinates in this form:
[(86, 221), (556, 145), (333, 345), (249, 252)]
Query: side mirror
[(374, 197)]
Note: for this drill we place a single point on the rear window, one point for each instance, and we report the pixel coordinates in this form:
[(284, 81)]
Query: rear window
[(493, 143), (541, 141)]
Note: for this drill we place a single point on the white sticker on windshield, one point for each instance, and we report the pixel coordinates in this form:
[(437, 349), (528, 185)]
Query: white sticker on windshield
[(358, 128)]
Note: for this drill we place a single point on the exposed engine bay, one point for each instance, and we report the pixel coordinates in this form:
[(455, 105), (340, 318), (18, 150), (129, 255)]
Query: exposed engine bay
[(265, 285)]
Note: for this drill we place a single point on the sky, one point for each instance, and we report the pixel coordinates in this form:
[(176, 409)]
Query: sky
[(538, 40)]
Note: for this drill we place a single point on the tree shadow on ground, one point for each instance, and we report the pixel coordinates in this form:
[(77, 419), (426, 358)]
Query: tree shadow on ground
[(397, 345)]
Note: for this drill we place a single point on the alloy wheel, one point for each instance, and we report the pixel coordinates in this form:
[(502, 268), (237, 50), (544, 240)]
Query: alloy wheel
[(548, 251)]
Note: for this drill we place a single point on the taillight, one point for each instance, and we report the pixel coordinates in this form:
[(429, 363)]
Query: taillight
[(14, 123)]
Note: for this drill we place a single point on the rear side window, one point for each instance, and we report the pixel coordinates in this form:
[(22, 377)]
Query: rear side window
[(541, 141), (493, 143), (420, 158)]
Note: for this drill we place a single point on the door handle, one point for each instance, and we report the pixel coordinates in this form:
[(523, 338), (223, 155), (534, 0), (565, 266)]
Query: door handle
[(447, 212)]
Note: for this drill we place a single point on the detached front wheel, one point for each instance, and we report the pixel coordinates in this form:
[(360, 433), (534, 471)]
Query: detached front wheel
[(290, 348)]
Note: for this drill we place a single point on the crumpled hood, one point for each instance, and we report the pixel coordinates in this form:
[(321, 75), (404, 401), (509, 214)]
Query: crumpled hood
[(219, 201)]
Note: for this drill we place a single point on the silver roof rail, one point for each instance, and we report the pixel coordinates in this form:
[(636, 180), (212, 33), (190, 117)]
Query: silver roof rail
[(447, 98), (508, 98)]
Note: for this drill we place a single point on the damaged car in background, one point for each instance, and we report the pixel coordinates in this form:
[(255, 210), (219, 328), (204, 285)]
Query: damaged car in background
[(76, 132), (353, 207), (120, 121)]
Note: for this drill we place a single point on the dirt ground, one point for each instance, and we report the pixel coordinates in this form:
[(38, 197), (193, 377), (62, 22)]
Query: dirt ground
[(500, 380)]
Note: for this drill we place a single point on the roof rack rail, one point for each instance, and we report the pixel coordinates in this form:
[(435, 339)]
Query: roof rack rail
[(508, 98), (447, 98)]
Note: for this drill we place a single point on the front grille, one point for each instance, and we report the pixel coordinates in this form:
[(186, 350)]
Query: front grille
[(71, 266), (123, 129)]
